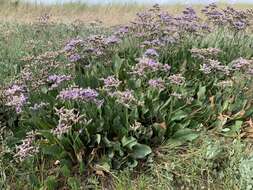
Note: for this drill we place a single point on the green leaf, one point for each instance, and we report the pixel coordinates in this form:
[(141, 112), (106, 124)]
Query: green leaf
[(51, 183), (74, 183), (213, 151), (65, 171), (179, 115), (117, 64), (185, 135), (140, 151), (201, 93), (125, 141), (53, 150)]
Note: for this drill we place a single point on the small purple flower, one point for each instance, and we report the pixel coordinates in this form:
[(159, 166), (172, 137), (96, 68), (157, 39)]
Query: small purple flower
[(151, 53), (74, 57), (16, 97), (88, 94), (56, 80), (111, 40), (71, 45), (125, 97), (239, 25), (27, 148), (157, 83), (14, 89), (177, 79), (240, 63), (111, 82), (166, 67)]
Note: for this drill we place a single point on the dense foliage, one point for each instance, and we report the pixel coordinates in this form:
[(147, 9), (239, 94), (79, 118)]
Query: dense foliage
[(107, 101)]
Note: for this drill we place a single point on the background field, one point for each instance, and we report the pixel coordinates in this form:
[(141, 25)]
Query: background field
[(110, 15)]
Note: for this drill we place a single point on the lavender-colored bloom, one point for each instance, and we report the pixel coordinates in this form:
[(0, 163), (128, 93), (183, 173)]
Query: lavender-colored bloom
[(214, 65), (177, 79), (37, 106), (146, 64), (72, 44), (56, 80), (14, 89), (240, 63), (111, 82), (205, 53), (88, 94), (166, 68), (151, 53), (122, 31), (125, 97), (206, 69), (239, 25), (157, 83), (16, 97), (67, 118), (74, 57), (27, 148), (111, 40)]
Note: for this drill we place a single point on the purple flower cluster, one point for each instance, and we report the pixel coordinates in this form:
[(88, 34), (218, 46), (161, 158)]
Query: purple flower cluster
[(111, 40), (151, 53), (67, 118), (88, 95), (74, 57), (177, 79), (16, 97), (146, 64), (157, 83), (111, 82), (125, 98), (205, 53), (214, 66), (236, 19), (56, 80), (27, 148), (72, 44), (241, 63)]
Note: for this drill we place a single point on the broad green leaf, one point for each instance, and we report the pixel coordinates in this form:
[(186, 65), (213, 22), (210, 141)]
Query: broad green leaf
[(179, 115), (201, 93), (140, 151)]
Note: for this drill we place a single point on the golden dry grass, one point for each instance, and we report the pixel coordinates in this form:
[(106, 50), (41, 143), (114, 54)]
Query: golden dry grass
[(110, 15)]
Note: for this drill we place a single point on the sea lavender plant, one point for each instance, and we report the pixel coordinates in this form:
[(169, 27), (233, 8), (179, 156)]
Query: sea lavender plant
[(151, 53), (125, 98), (67, 118), (177, 79), (56, 80), (111, 83), (157, 83), (146, 64), (205, 53), (72, 44), (211, 65), (16, 97), (27, 148), (87, 95), (74, 57), (241, 63)]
